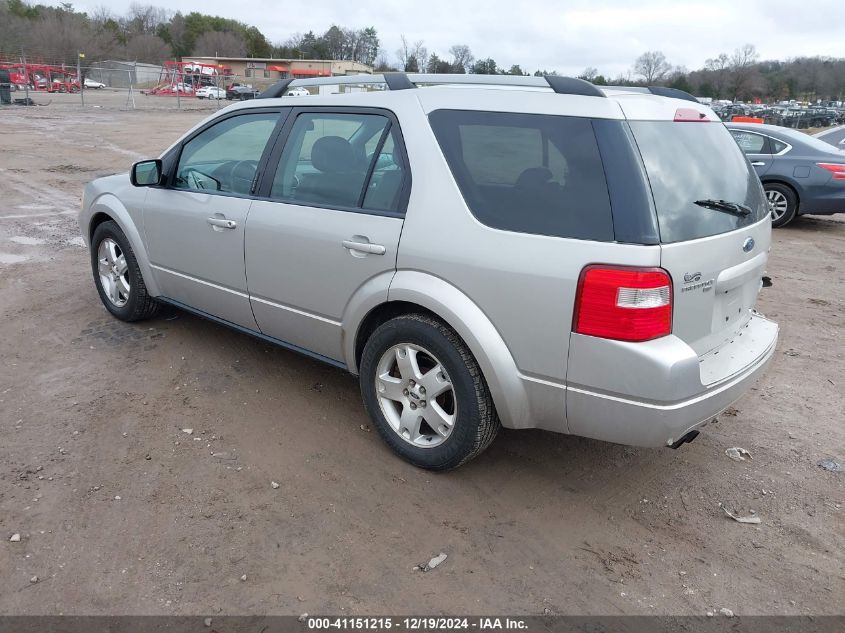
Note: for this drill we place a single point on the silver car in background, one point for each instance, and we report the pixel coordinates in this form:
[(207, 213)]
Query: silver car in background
[(551, 255)]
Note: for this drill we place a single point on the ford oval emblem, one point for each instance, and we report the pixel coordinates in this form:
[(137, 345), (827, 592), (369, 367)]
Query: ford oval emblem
[(748, 244)]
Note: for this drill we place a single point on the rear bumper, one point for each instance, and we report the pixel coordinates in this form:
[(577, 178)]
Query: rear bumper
[(704, 386), (823, 200)]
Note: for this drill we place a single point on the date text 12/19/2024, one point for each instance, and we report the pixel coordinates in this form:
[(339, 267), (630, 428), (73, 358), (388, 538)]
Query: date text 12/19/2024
[(415, 623)]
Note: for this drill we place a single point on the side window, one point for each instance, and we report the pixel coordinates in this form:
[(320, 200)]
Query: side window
[(328, 157), (777, 146), (225, 156), (528, 173), (750, 143), (385, 185)]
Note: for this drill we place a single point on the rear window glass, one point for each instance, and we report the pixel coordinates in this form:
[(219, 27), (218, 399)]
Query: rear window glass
[(687, 162), (528, 173)]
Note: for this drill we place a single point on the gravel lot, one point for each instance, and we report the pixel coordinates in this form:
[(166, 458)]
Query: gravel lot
[(120, 511)]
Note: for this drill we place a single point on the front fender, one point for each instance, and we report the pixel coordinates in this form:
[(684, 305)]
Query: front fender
[(482, 338), (110, 205)]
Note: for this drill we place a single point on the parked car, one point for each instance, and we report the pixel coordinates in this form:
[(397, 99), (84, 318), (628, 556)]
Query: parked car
[(800, 173), (575, 259), (298, 92), (241, 93), (93, 85), (211, 92)]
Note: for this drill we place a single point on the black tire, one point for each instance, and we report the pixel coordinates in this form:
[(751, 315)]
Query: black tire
[(791, 203), (476, 421), (139, 305)]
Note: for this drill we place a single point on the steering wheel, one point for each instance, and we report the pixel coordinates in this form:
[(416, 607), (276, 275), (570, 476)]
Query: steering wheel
[(236, 176), (243, 175)]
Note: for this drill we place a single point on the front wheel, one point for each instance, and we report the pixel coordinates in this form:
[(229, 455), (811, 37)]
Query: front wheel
[(783, 203), (426, 394), (117, 275)]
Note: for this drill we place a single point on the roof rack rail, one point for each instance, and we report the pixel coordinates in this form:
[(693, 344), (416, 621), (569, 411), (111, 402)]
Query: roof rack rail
[(404, 81), (659, 91), (276, 90), (662, 91)]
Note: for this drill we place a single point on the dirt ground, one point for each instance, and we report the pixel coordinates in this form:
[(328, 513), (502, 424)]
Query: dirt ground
[(122, 512)]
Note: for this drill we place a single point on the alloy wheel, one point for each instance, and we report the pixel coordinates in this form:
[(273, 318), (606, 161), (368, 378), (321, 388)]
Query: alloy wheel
[(416, 395), (113, 271), (777, 204)]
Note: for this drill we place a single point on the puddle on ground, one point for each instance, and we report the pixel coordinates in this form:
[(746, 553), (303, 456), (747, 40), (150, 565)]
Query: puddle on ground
[(11, 258), (27, 241)]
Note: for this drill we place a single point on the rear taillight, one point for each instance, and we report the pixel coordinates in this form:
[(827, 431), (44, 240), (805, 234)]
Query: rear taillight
[(625, 304), (837, 169)]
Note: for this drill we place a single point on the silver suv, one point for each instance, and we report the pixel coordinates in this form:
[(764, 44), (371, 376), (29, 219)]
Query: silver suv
[(538, 254)]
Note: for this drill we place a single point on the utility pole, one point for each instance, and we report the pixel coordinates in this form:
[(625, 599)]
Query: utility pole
[(79, 59)]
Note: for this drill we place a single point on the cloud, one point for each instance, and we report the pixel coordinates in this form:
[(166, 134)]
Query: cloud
[(566, 36)]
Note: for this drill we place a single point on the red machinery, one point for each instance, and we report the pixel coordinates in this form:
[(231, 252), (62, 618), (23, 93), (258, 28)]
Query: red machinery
[(42, 77), (185, 78)]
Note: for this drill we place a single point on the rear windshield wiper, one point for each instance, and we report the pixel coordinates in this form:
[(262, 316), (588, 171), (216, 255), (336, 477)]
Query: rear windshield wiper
[(734, 208)]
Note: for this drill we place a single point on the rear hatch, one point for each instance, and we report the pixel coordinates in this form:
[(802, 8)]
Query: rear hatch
[(714, 224)]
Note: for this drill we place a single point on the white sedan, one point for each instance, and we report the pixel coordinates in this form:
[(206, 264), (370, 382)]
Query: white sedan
[(211, 92), (96, 85)]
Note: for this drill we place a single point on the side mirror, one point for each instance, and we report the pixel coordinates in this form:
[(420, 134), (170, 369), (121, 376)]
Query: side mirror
[(146, 173)]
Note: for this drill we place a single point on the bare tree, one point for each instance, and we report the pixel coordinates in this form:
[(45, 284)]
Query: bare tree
[(420, 53), (408, 52), (742, 70), (219, 44), (462, 58), (720, 68), (146, 47), (59, 36), (404, 51), (652, 67), (143, 18), (589, 74)]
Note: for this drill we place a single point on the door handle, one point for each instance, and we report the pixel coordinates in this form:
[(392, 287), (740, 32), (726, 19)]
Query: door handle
[(364, 247), (758, 163), (222, 223)]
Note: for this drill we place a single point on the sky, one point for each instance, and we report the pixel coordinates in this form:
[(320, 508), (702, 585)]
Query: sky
[(562, 35)]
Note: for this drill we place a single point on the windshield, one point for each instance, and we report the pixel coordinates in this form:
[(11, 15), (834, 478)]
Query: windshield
[(689, 162)]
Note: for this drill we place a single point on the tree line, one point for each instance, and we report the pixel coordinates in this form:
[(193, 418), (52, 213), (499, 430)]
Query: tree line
[(147, 33), (739, 75)]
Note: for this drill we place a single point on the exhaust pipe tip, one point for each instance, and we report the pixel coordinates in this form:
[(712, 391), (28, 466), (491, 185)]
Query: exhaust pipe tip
[(686, 439)]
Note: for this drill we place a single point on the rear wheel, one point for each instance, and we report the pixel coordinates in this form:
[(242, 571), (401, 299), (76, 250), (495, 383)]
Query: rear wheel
[(783, 203), (425, 393), (117, 275)]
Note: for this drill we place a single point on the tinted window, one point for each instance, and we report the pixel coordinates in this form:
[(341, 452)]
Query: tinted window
[(225, 156), (528, 173), (385, 184), (328, 157), (696, 161), (749, 142)]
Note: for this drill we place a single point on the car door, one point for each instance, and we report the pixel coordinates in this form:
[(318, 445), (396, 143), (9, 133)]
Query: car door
[(756, 147), (328, 222), (195, 224)]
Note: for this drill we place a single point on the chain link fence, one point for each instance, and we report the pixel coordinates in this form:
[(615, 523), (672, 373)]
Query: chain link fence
[(123, 86)]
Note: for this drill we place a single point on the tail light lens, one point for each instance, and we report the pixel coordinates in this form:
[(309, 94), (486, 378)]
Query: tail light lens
[(624, 304), (837, 170)]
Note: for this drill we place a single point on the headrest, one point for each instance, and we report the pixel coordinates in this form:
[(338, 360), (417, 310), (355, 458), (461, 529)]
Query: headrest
[(332, 154), (534, 177)]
